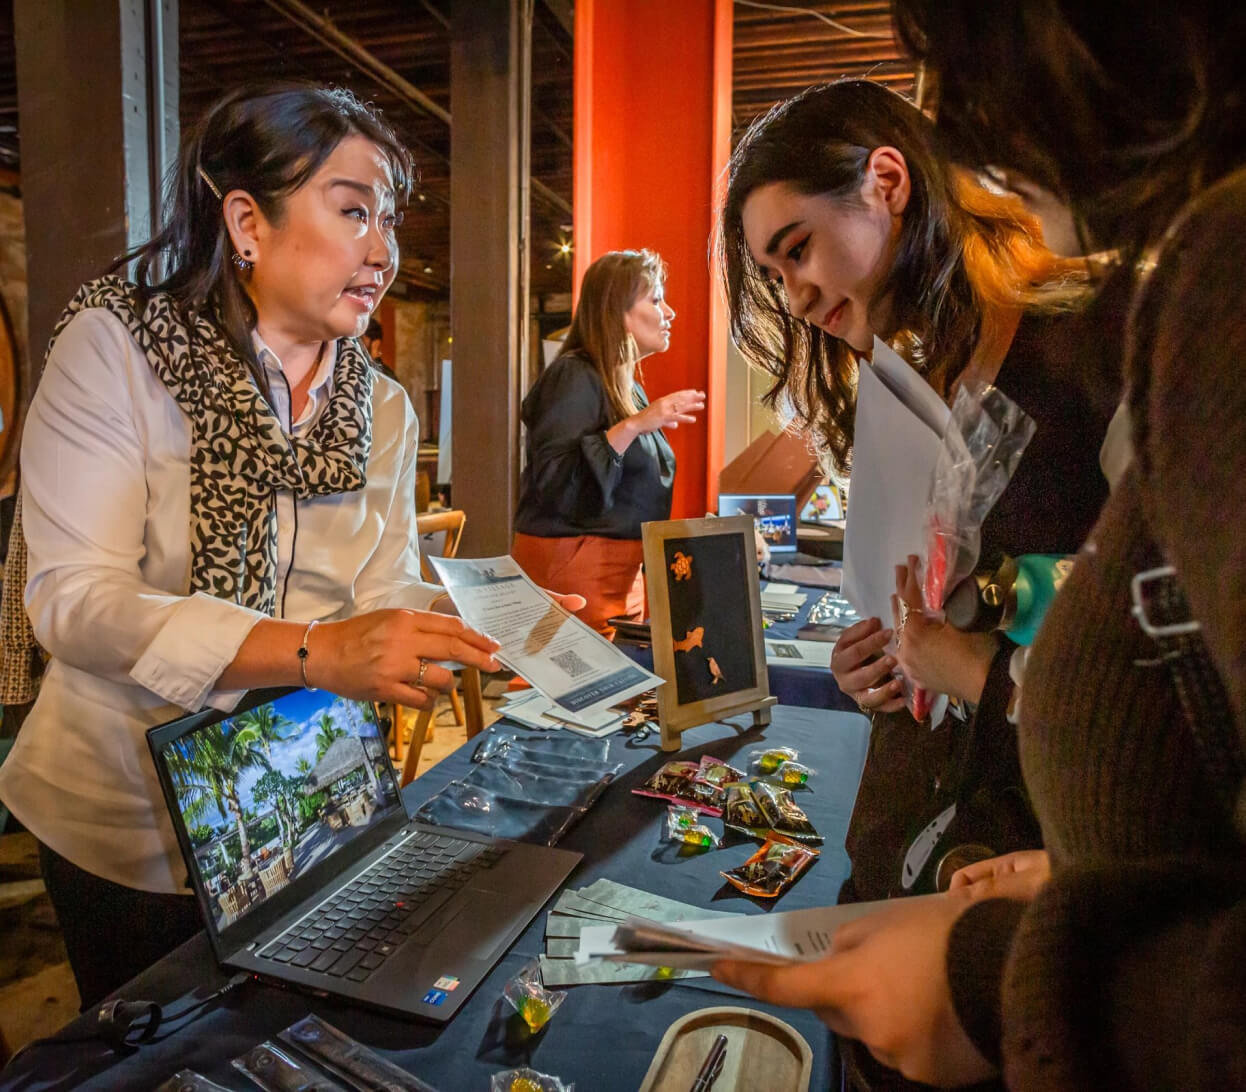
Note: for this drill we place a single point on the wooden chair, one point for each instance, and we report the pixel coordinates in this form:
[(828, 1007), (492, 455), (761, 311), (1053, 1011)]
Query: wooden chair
[(469, 710)]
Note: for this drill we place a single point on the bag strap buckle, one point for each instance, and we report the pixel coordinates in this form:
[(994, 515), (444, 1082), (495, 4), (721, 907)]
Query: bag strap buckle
[(1146, 587)]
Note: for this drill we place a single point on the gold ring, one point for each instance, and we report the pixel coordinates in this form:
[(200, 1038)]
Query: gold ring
[(419, 675)]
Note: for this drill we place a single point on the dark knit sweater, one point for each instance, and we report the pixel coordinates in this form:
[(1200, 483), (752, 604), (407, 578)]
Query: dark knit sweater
[(1129, 969)]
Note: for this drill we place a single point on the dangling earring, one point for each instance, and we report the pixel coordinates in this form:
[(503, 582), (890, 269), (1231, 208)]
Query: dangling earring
[(243, 265)]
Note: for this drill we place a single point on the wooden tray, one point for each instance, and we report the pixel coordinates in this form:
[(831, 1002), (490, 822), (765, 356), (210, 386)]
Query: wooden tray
[(762, 1052)]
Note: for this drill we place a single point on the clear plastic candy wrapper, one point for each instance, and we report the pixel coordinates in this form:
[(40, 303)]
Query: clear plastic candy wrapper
[(791, 775), (187, 1080), (677, 782), (276, 1068), (766, 760), (555, 747), (358, 1066), (469, 807), (527, 995), (760, 809), (982, 445), (769, 871), (527, 1080), (683, 825)]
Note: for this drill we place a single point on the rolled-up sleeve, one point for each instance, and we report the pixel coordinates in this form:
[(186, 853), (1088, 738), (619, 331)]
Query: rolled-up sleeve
[(572, 459), (84, 513)]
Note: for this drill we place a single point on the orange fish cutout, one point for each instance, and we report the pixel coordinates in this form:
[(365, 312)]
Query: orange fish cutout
[(682, 566), (692, 639)]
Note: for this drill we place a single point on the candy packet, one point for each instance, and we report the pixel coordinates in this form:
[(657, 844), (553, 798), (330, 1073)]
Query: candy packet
[(766, 760), (772, 869), (276, 1069), (683, 825), (717, 773), (528, 996), (792, 775), (677, 782), (527, 1080), (760, 809)]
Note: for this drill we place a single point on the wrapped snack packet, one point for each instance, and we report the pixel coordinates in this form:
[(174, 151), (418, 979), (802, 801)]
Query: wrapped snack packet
[(717, 773), (682, 826), (769, 871), (187, 1080), (528, 996), (676, 782), (527, 1080), (791, 774), (759, 809), (348, 1059), (767, 760), (275, 1069)]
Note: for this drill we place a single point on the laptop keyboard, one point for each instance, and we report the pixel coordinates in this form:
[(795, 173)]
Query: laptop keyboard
[(352, 933)]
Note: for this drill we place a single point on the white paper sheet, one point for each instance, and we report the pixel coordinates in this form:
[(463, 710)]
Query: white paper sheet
[(793, 936), (572, 665), (894, 451), (799, 653)]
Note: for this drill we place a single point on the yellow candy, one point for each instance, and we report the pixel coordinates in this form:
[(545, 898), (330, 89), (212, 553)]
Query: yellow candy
[(665, 972), (524, 1084), (535, 1013)]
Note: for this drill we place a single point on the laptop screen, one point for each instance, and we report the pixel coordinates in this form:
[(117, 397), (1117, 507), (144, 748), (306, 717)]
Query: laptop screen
[(774, 513), (279, 788)]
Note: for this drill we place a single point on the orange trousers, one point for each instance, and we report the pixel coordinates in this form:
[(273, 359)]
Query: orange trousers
[(606, 571)]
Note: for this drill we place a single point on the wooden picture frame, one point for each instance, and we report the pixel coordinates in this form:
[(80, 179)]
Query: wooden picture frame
[(702, 581)]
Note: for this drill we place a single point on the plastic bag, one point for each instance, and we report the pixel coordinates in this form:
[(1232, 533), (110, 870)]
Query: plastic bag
[(536, 788), (359, 1066), (562, 746), (683, 825), (187, 1080), (527, 995), (772, 869), (982, 445), (274, 1068), (677, 782), (470, 807)]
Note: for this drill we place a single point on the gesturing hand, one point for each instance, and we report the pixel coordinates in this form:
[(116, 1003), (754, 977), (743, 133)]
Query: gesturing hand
[(864, 678), (377, 656), (671, 411)]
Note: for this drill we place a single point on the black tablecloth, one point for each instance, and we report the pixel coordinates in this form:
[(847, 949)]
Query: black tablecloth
[(603, 1037)]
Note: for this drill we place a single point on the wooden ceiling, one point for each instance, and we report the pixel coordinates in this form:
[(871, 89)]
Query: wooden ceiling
[(224, 42)]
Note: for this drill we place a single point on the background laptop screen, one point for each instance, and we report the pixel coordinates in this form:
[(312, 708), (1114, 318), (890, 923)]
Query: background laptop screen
[(269, 793), (775, 514)]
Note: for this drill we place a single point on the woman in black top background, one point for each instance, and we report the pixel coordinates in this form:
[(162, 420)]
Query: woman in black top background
[(598, 465)]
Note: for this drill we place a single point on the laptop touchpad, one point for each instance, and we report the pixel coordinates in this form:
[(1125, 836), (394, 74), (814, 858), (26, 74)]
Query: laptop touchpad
[(476, 928)]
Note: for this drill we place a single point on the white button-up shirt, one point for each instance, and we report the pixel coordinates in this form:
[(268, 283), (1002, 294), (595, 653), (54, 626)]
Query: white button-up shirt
[(106, 511)]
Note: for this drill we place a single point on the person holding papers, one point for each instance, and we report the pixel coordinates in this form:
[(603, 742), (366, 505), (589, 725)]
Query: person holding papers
[(842, 222), (1126, 967), (218, 493), (598, 464)]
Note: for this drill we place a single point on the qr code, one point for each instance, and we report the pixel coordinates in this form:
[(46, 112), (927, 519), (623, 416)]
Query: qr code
[(571, 663)]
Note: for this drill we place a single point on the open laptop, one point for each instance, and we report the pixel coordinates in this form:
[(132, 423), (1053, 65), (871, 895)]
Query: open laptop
[(310, 872), (775, 516)]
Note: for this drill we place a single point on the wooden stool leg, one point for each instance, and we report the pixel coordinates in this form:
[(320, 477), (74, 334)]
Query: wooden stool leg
[(473, 702), (410, 764), (456, 704)]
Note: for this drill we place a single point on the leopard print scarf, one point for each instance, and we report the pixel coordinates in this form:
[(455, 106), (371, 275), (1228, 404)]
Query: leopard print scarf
[(239, 458)]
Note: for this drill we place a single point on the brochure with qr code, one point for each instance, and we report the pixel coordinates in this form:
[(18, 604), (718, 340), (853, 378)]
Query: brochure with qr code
[(570, 663)]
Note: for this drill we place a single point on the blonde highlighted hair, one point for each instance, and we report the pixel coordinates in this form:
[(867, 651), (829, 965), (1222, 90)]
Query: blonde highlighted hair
[(611, 285)]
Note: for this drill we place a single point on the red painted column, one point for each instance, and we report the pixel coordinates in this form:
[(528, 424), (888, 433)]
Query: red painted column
[(652, 134)]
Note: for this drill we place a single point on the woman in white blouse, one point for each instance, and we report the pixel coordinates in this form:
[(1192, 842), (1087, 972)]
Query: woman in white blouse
[(229, 400)]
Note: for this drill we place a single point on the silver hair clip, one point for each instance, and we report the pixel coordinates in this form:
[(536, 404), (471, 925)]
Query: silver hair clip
[(210, 184)]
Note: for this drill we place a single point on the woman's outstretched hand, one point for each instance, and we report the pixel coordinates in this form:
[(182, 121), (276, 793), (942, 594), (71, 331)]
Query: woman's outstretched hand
[(377, 656), (670, 411)]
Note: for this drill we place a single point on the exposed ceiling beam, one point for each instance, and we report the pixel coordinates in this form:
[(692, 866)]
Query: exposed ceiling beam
[(345, 46)]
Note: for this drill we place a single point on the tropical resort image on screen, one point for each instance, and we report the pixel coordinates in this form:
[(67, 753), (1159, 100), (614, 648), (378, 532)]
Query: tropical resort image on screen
[(269, 793)]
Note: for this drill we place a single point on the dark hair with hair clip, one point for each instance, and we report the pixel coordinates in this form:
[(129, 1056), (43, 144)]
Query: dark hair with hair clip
[(963, 253), (1122, 110), (267, 139)]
